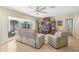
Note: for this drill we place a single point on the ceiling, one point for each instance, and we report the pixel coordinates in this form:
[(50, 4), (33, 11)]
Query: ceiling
[(56, 11)]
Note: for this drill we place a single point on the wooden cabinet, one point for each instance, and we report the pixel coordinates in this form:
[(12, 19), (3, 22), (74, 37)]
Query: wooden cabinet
[(53, 26), (50, 23)]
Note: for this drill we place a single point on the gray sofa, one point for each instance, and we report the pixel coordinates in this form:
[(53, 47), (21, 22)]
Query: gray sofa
[(30, 37), (58, 40)]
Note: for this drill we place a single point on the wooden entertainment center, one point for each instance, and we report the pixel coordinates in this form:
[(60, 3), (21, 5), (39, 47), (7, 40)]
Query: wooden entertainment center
[(50, 21), (53, 25)]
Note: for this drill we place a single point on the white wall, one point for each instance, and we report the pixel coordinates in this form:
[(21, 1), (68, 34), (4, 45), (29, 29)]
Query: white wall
[(3, 28), (0, 29), (76, 26)]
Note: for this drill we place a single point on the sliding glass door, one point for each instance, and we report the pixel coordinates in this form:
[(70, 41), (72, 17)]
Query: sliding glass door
[(69, 25)]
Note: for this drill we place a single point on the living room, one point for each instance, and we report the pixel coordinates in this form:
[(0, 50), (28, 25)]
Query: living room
[(46, 22)]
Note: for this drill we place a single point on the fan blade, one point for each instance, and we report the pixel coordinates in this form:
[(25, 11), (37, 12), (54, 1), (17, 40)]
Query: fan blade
[(42, 11), (42, 8), (37, 7), (33, 7)]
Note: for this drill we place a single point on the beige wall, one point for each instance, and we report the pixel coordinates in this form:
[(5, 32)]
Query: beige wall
[(4, 13), (62, 18), (75, 18)]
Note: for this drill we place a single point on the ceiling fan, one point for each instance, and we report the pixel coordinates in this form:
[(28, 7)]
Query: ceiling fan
[(40, 9)]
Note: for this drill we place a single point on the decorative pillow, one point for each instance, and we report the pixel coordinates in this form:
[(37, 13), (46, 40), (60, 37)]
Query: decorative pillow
[(58, 34)]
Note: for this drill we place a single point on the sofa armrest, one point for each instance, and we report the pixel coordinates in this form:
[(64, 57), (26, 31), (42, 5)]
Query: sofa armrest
[(40, 39)]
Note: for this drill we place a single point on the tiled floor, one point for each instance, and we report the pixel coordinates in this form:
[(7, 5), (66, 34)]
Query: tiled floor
[(13, 46)]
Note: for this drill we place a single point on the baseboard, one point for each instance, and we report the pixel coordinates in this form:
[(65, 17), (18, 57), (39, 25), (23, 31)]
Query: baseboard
[(75, 37), (4, 42)]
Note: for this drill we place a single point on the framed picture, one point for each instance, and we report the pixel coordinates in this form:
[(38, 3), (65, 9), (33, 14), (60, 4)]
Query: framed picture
[(59, 23)]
